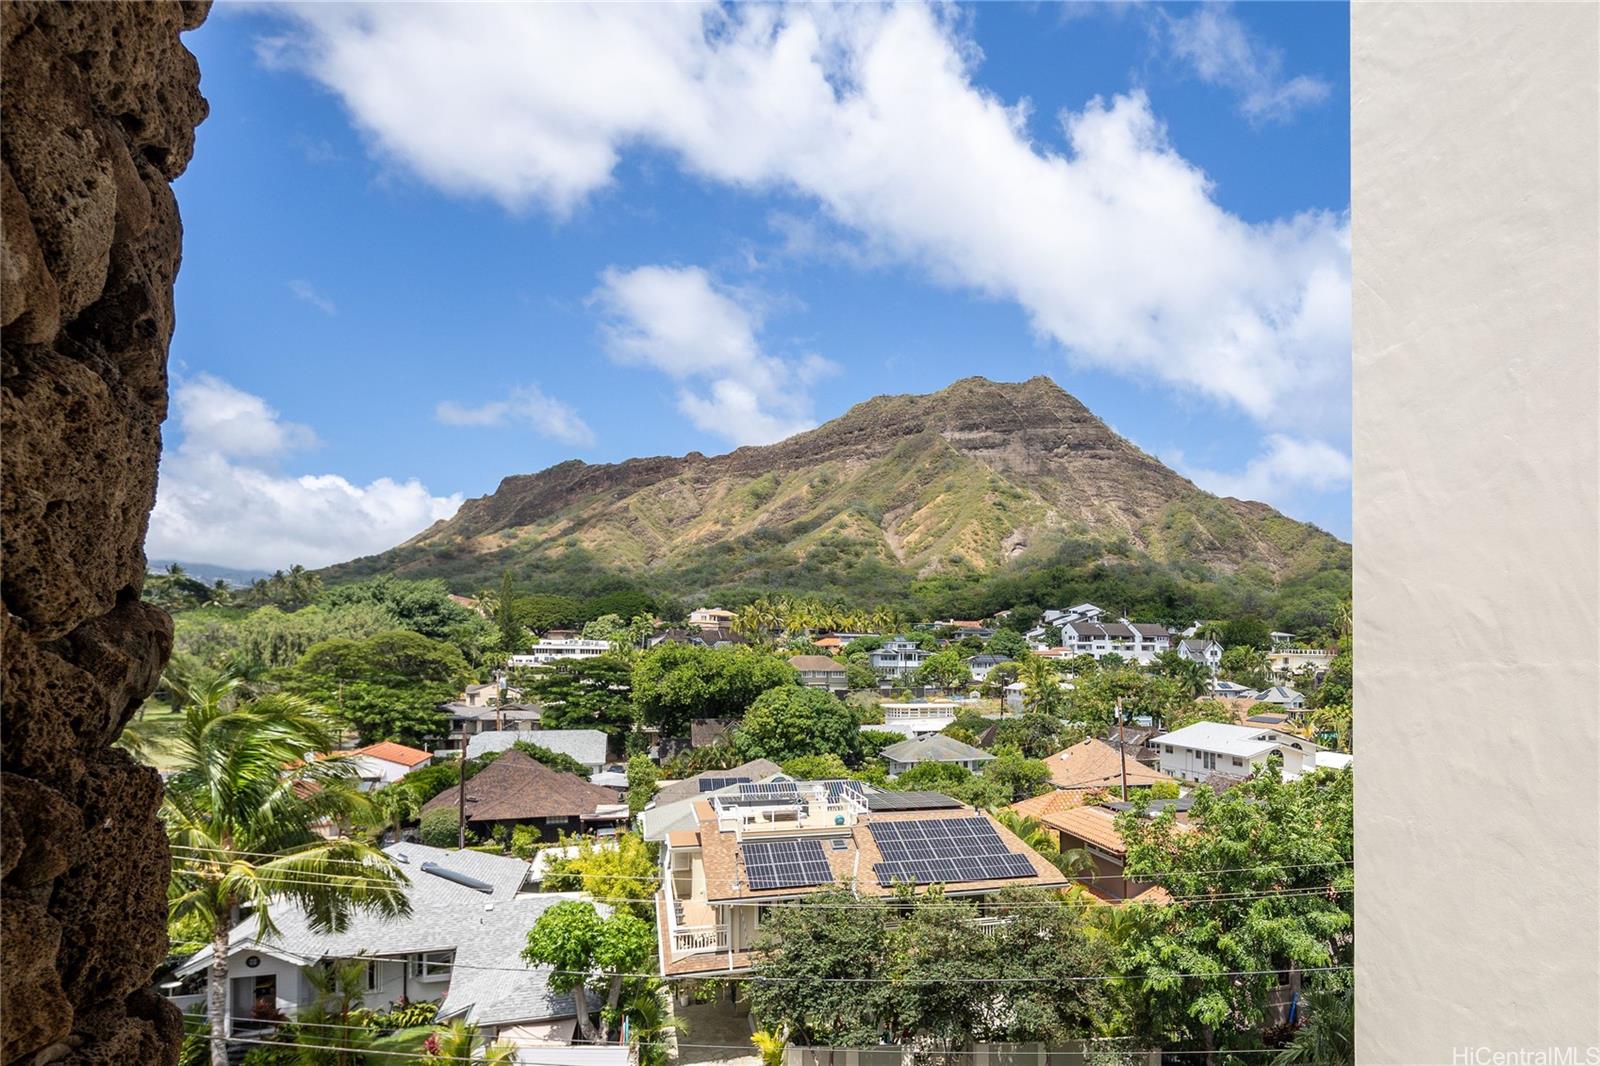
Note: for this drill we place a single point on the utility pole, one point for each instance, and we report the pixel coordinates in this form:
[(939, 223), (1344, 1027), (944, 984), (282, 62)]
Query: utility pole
[(1122, 750), (461, 800)]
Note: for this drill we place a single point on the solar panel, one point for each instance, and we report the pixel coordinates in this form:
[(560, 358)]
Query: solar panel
[(944, 850), (714, 784), (784, 864), (775, 787), (838, 788)]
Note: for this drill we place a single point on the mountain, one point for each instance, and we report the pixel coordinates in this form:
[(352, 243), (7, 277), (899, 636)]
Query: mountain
[(976, 480), (209, 573)]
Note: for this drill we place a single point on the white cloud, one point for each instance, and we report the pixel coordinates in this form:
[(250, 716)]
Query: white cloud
[(1108, 240), (216, 417), (676, 320), (304, 290), (1222, 52), (526, 405), (1288, 468), (222, 500)]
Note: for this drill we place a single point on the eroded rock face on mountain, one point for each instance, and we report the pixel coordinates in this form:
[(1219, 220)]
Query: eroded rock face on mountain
[(100, 103)]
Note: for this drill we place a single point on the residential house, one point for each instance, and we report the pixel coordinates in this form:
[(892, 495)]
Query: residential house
[(385, 762), (488, 694), (549, 649), (1207, 653), (916, 718), (586, 746), (691, 637), (1285, 662), (516, 789), (767, 842), (707, 731), (711, 618), (980, 665), (1092, 829), (467, 722), (673, 805), (933, 748), (460, 944), (898, 657), (1149, 640), (1015, 699), (1099, 639), (1230, 690), (819, 671), (1093, 765), (1196, 752), (1282, 696)]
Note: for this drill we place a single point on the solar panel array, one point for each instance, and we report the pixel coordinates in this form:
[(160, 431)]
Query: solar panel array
[(784, 864), (778, 786), (839, 787), (713, 784), (945, 851)]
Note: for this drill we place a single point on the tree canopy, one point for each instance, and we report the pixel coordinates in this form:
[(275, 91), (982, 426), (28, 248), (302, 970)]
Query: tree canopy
[(789, 721), (674, 683)]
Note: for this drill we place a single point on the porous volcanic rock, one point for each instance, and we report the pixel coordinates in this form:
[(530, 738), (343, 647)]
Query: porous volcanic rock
[(101, 101)]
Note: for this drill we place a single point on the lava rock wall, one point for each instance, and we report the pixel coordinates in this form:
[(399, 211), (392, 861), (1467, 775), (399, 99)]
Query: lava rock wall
[(100, 103)]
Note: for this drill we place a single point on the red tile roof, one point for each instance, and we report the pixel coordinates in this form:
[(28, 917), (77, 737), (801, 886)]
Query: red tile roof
[(389, 751)]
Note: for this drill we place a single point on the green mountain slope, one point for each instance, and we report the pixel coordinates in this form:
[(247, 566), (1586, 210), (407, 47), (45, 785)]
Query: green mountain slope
[(967, 484)]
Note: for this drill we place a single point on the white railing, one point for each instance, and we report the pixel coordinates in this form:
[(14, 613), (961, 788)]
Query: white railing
[(694, 939)]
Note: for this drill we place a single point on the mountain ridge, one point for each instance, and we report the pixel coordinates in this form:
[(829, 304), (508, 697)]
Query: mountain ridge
[(973, 478)]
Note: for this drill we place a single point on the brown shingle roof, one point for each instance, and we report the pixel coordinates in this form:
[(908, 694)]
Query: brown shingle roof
[(1093, 763), (1094, 825), (516, 787), (817, 664), (719, 852)]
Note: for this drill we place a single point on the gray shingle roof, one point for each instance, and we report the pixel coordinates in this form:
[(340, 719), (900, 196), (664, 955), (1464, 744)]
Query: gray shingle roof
[(491, 984), (588, 746), (935, 748)]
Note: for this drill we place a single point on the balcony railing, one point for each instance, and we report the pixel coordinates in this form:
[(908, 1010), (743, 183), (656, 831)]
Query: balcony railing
[(697, 939)]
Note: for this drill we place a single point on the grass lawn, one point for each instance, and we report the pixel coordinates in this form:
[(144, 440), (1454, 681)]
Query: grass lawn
[(159, 723)]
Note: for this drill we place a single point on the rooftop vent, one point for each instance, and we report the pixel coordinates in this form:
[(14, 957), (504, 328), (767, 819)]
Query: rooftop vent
[(458, 877)]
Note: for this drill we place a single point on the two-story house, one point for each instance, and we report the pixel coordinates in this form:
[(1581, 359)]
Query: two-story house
[(772, 842), (898, 657), (980, 665), (916, 718), (550, 649), (1200, 751), (1207, 653), (711, 618), (819, 671)]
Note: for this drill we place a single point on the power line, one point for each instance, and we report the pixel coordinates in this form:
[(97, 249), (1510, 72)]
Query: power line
[(657, 877), (309, 879)]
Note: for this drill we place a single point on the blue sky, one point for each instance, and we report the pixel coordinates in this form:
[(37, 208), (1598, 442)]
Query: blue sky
[(428, 246)]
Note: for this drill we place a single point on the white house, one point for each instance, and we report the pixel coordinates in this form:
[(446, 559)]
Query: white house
[(587, 746), (546, 651), (980, 665), (461, 944), (917, 718), (1284, 662), (1231, 690), (1208, 653), (935, 748), (1282, 696), (386, 762), (1196, 752), (898, 657)]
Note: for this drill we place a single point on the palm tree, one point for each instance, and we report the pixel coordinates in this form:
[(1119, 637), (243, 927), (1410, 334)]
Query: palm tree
[(241, 813), (1328, 1035), (650, 1023), (455, 1044), (339, 990), (1041, 693), (1073, 862)]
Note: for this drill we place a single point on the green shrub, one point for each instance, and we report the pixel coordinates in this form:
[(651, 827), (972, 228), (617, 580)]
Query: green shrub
[(441, 828), (1164, 790)]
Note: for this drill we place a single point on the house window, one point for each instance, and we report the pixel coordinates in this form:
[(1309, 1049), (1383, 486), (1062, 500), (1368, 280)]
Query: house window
[(1168, 748), (374, 978), (1209, 759), (1238, 762), (432, 965)]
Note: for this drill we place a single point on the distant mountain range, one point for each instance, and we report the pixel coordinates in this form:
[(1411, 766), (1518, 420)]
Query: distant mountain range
[(968, 482), (209, 573)]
